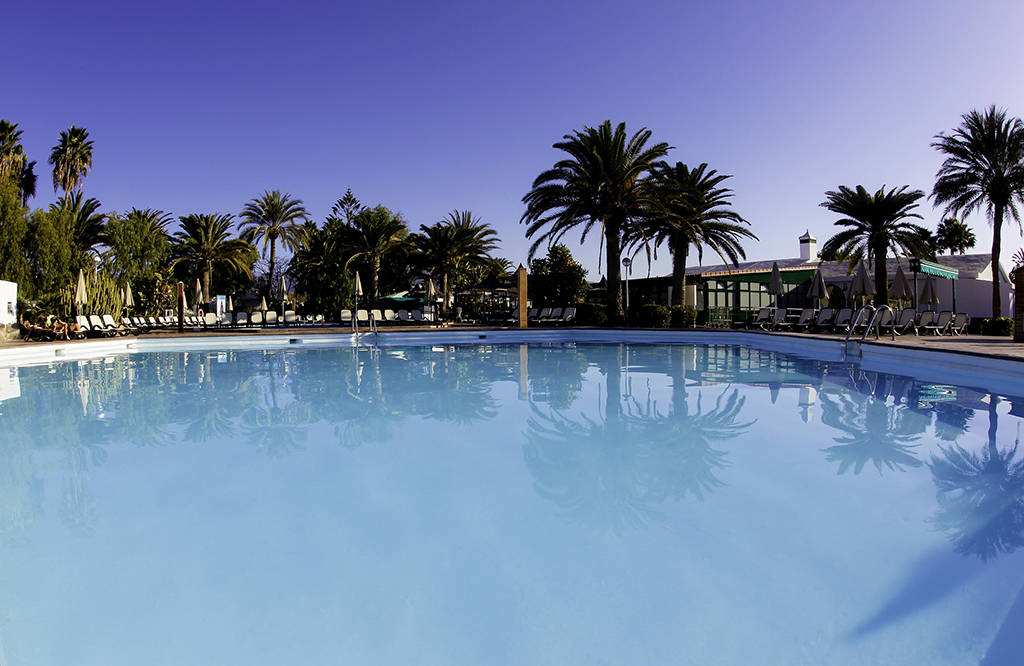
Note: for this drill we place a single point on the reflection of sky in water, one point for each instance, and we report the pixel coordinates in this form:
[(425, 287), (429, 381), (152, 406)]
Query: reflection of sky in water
[(505, 505)]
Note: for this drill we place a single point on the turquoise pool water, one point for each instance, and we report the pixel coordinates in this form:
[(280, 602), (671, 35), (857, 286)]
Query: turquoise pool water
[(509, 504)]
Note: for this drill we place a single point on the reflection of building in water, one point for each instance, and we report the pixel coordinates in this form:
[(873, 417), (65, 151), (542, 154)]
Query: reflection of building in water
[(9, 385), (808, 398)]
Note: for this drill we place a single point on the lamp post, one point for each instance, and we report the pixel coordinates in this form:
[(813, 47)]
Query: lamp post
[(627, 263)]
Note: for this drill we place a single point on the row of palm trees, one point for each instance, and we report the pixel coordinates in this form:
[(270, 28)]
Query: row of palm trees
[(619, 186)]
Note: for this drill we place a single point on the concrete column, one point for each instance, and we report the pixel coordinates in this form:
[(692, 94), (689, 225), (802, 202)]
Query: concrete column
[(521, 286)]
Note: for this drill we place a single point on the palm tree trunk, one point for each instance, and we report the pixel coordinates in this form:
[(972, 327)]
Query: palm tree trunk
[(207, 277), (679, 249), (444, 292), (614, 288), (993, 426), (881, 276), (997, 246), (374, 277), (270, 273)]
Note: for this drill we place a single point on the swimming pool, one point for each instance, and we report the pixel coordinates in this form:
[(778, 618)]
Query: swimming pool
[(552, 503)]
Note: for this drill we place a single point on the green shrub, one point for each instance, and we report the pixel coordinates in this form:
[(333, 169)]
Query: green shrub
[(652, 315), (683, 316), (1000, 326), (591, 314)]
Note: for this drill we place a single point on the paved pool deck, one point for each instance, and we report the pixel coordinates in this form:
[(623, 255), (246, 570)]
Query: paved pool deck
[(981, 345)]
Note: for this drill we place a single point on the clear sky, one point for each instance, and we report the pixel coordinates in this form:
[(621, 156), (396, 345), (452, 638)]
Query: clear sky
[(198, 106)]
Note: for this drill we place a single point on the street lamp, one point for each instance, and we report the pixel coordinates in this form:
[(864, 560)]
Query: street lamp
[(627, 263)]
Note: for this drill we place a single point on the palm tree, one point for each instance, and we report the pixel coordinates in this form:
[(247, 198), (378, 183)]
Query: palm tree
[(87, 223), (12, 155), (71, 159), (983, 169), (875, 223), (955, 236), (600, 183), (371, 234), (457, 243), (271, 217), (27, 181), (205, 242), (874, 431), (690, 208)]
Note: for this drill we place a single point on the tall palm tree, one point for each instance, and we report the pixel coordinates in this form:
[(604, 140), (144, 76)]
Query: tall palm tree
[(273, 217), (955, 236), (983, 169), (599, 183), (690, 207), (87, 223), (372, 234), (874, 224), (12, 155), (205, 242), (457, 243), (27, 181), (71, 159)]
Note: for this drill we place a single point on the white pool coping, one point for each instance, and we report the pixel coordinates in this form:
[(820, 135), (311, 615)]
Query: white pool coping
[(995, 374)]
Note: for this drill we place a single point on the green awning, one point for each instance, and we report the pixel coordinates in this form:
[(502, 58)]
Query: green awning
[(932, 268)]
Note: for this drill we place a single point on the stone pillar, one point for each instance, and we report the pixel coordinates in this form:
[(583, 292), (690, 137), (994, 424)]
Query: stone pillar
[(1018, 306), (521, 287)]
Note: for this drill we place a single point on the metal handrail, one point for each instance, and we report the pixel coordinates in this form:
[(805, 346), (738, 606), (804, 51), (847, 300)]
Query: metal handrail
[(373, 324), (853, 324), (877, 326)]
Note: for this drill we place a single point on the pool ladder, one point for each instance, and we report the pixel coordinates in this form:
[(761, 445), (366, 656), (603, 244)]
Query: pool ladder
[(372, 327), (873, 322)]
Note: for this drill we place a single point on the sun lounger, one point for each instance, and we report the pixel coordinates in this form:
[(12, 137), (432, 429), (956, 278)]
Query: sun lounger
[(290, 318), (903, 323), (941, 324), (959, 324), (129, 325), (842, 320), (271, 319), (363, 317), (554, 315), (805, 321), (98, 328), (823, 320), (777, 322), (256, 318), (390, 317), (568, 316), (416, 315), (346, 317), (226, 319), (241, 319), (763, 316)]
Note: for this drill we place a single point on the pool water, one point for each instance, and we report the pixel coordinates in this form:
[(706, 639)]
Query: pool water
[(508, 504)]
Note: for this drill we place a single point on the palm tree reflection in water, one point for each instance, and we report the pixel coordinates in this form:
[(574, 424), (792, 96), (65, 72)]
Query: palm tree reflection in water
[(981, 495), (875, 432), (615, 470)]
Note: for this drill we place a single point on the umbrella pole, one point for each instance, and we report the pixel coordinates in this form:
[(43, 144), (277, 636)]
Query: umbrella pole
[(954, 294), (181, 307), (915, 290)]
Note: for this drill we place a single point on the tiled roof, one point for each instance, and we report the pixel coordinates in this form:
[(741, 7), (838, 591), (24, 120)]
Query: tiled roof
[(969, 266)]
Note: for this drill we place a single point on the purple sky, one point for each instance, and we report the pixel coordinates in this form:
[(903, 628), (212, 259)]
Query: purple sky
[(200, 106)]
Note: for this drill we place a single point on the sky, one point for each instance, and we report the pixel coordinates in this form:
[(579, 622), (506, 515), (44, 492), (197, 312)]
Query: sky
[(431, 107)]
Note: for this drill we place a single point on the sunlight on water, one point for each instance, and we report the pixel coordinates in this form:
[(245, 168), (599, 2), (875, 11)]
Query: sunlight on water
[(561, 504)]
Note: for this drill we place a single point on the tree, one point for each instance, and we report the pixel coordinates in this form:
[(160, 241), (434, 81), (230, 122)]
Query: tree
[(455, 244), (88, 225), (12, 155), (599, 183), (346, 207), (557, 280), (955, 236), (71, 159), (52, 254), (690, 208), (875, 223), (139, 244), (27, 181), (13, 229), (204, 243), (272, 217), (983, 169), (370, 235), (318, 268)]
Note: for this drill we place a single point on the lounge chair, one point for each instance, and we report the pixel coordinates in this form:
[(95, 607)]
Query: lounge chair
[(241, 319), (210, 320), (129, 325), (531, 315), (256, 318), (377, 315), (763, 316), (823, 320), (100, 329), (777, 322), (290, 318), (568, 316), (959, 324), (904, 323), (941, 324), (553, 316), (805, 321), (272, 319), (416, 315), (346, 317), (225, 320), (842, 320), (390, 317)]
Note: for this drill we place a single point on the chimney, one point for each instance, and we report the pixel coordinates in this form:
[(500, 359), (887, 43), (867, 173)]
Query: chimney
[(808, 247)]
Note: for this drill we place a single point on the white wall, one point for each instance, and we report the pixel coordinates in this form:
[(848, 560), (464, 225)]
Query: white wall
[(972, 296), (8, 303)]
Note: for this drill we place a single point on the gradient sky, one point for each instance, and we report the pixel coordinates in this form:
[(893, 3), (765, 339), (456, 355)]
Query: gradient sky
[(200, 106)]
